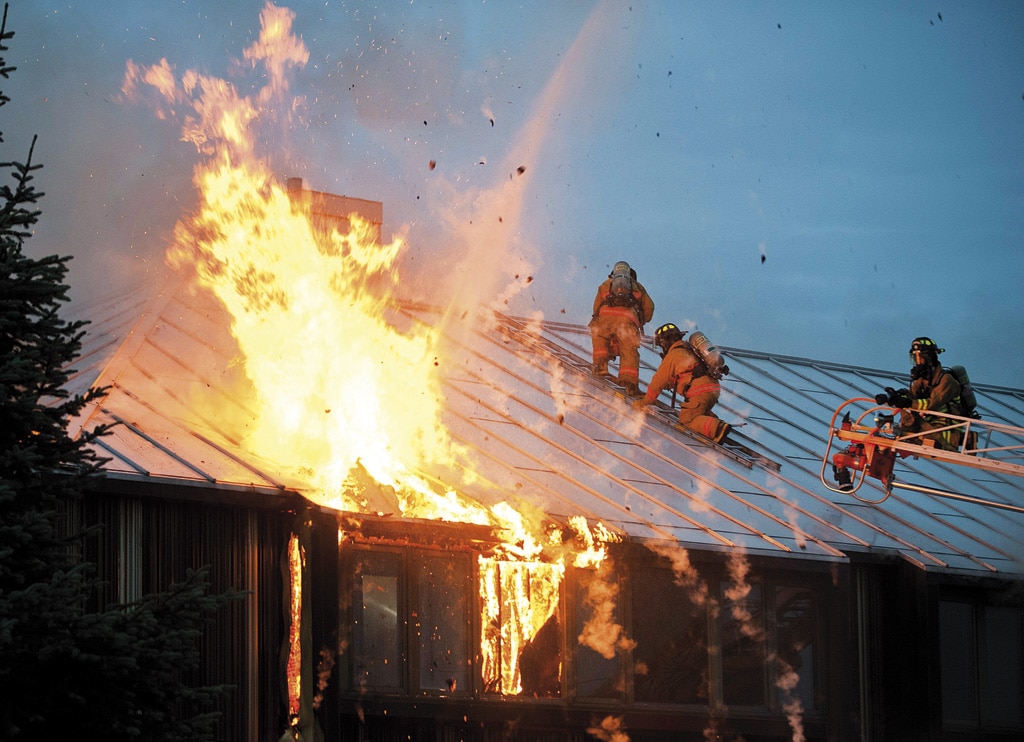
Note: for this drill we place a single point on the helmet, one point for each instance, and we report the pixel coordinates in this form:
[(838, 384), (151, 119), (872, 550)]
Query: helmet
[(621, 268), (927, 348), (666, 335)]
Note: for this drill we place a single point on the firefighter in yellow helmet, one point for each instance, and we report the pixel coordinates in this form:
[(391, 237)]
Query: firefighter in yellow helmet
[(683, 371), (931, 388), (622, 307)]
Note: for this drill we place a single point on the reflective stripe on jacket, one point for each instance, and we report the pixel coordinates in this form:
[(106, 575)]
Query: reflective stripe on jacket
[(701, 385), (939, 392)]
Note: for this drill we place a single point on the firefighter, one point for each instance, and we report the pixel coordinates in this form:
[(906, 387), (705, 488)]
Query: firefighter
[(621, 309), (682, 370), (931, 388)]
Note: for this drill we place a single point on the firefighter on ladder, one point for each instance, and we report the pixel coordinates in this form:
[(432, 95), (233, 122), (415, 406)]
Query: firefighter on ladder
[(686, 374), (621, 308), (931, 388)]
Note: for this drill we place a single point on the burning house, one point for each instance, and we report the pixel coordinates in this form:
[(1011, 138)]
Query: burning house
[(449, 530), (540, 562)]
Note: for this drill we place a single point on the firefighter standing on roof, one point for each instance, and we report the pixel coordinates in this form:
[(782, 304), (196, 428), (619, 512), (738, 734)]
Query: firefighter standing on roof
[(621, 308), (684, 372)]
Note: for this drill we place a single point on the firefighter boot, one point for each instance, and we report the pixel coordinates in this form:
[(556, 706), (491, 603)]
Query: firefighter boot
[(723, 431), (601, 368), (632, 390)]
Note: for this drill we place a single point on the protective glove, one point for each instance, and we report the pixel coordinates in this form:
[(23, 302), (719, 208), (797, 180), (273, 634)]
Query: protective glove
[(894, 397), (897, 397)]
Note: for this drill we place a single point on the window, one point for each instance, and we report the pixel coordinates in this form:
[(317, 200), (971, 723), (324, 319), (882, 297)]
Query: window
[(598, 634), (441, 624), (410, 621), (436, 623), (742, 638), (768, 634), (521, 645), (981, 651), (751, 645), (796, 625), (377, 645), (1001, 664), (671, 631)]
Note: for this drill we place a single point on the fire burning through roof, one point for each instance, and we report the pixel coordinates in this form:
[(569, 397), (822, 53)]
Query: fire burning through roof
[(342, 396), (336, 387)]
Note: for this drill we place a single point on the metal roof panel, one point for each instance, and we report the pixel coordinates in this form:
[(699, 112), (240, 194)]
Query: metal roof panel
[(544, 435)]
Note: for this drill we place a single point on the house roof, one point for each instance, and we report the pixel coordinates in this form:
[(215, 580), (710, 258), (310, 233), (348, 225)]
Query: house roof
[(542, 432)]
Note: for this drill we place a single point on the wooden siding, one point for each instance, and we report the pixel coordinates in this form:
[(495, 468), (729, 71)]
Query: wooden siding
[(147, 542)]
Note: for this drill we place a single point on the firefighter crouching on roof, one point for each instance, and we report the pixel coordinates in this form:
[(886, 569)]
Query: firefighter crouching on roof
[(621, 308), (683, 371), (931, 388)]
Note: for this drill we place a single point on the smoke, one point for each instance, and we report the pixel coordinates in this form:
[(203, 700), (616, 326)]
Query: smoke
[(737, 593), (685, 574), (791, 513), (589, 549), (485, 225), (787, 681), (381, 95), (609, 729), (480, 226), (560, 390), (787, 678), (324, 668), (601, 632)]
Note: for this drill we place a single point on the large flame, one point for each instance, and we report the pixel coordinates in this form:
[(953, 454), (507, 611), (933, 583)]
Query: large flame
[(336, 387), (335, 384), (342, 396)]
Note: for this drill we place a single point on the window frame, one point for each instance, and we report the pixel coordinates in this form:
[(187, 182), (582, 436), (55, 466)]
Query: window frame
[(979, 650), (410, 563), (769, 580)]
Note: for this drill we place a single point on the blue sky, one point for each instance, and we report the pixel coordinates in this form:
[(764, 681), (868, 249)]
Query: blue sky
[(871, 153)]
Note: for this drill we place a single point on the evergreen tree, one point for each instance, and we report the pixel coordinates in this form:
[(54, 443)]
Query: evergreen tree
[(67, 671)]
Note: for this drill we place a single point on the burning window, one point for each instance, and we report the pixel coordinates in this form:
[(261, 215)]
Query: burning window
[(296, 564), (521, 641)]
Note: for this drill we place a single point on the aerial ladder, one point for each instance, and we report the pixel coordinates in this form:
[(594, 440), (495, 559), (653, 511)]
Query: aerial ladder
[(865, 440)]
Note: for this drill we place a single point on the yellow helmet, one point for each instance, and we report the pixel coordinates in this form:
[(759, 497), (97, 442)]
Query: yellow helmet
[(927, 348), (667, 335)]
